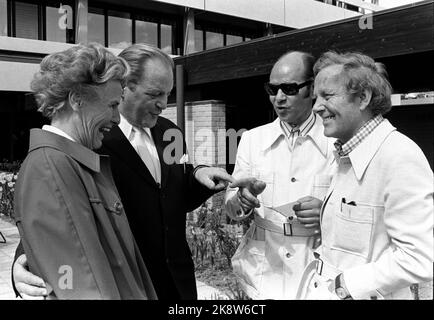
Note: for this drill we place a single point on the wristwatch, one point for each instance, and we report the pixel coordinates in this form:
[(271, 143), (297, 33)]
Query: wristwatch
[(340, 288)]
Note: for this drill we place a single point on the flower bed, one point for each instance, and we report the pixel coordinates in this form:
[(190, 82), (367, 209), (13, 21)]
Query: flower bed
[(213, 243)]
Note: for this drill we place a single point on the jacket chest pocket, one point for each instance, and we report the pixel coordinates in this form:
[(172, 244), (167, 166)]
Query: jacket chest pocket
[(352, 228)]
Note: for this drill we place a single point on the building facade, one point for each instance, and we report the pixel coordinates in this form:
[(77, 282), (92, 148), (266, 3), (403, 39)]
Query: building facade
[(31, 29)]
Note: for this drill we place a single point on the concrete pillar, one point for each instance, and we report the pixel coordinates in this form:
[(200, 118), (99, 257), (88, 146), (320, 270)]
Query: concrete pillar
[(205, 131), (189, 42), (82, 8)]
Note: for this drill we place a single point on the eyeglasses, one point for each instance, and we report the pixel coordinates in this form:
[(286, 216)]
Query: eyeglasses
[(290, 89)]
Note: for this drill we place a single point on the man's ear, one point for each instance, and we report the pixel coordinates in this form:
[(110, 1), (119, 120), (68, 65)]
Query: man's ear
[(365, 99), (75, 101), (311, 93)]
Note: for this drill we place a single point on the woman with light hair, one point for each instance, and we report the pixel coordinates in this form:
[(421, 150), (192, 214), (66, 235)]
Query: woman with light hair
[(73, 226), (377, 217)]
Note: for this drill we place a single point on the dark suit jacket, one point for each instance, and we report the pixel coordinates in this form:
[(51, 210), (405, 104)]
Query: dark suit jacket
[(157, 214)]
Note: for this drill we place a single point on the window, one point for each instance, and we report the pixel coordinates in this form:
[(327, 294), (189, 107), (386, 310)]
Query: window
[(39, 20), (213, 36), (119, 30), (95, 26), (53, 30), (26, 20), (213, 40), (198, 40), (3, 18), (166, 38), (232, 39), (147, 32)]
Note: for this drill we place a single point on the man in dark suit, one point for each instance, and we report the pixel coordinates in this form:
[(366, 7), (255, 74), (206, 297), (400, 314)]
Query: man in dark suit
[(155, 191)]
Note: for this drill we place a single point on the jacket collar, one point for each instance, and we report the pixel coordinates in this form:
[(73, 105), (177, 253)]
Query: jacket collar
[(362, 155), (42, 138), (316, 134)]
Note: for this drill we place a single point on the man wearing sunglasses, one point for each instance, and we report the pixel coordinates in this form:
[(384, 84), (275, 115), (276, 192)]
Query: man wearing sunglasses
[(282, 172)]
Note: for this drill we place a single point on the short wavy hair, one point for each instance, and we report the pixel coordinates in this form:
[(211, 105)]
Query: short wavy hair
[(77, 70), (136, 56), (361, 72)]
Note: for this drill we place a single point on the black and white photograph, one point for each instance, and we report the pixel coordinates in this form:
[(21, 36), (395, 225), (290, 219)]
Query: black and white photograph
[(214, 156)]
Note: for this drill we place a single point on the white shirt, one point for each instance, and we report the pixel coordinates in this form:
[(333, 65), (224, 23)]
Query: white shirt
[(269, 266), (57, 131), (147, 141)]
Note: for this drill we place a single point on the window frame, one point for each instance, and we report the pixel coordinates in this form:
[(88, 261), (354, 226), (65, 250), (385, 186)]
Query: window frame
[(142, 15), (42, 18)]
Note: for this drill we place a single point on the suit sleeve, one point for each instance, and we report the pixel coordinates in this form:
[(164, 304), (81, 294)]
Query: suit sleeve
[(59, 232), (242, 170), (197, 193)]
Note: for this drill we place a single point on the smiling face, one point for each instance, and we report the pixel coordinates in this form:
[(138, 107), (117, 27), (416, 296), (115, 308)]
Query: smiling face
[(342, 114), (291, 109), (98, 115), (145, 100)]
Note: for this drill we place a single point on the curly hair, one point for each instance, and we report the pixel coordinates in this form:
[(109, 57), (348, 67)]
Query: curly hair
[(77, 70), (361, 72)]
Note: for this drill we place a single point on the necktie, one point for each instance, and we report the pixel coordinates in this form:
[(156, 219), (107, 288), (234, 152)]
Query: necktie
[(149, 156), (293, 134)]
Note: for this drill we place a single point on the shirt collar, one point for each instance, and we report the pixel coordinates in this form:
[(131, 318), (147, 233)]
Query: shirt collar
[(316, 133), (58, 131), (362, 155), (303, 129), (344, 149), (47, 138), (128, 129)]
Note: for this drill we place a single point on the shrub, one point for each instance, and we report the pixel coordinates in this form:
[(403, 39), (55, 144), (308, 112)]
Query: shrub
[(7, 188)]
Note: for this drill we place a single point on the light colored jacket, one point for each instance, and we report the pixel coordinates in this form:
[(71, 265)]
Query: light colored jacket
[(73, 226), (383, 240), (268, 264)]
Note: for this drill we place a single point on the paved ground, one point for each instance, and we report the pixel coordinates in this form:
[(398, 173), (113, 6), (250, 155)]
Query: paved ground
[(7, 251)]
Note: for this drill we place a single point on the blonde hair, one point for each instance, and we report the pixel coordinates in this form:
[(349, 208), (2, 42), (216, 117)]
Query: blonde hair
[(361, 72)]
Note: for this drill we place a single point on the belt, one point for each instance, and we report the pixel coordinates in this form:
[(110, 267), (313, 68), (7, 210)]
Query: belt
[(287, 228), (324, 268)]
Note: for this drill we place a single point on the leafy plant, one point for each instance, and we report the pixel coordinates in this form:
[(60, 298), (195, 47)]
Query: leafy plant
[(213, 242), (7, 188)]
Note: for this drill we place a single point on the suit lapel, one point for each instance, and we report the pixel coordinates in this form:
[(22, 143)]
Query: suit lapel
[(157, 134), (118, 144)]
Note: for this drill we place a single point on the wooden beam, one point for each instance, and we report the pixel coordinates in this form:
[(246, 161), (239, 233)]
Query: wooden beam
[(395, 32)]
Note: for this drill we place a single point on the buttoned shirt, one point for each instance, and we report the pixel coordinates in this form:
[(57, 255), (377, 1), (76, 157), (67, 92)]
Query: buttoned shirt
[(267, 264), (345, 148), (142, 141), (292, 132)]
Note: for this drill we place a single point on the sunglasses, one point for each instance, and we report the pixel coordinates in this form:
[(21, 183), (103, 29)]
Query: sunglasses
[(290, 89)]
